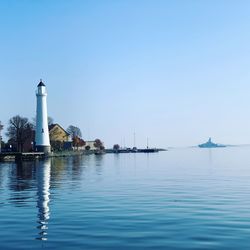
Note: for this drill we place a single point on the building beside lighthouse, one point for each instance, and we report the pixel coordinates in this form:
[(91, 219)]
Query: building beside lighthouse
[(42, 131)]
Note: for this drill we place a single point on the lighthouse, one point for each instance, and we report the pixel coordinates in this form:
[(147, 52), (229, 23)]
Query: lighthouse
[(42, 130)]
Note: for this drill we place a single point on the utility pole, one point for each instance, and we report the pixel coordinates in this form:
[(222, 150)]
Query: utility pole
[(1, 128)]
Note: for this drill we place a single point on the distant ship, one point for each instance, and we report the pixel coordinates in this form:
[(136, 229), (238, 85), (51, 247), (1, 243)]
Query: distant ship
[(210, 144)]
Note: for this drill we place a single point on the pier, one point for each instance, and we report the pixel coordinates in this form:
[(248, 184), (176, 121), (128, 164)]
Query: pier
[(15, 156), (31, 156)]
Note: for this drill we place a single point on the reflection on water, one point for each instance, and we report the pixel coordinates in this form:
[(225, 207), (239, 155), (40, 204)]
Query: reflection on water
[(180, 199), (98, 161), (22, 175), (43, 196), (210, 153)]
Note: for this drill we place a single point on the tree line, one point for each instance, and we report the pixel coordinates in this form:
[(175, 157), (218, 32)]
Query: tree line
[(21, 136)]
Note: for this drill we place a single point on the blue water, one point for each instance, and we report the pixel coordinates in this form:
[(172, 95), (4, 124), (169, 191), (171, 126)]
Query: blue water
[(179, 199)]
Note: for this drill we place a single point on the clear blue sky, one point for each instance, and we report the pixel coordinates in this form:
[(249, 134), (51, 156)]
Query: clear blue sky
[(174, 71)]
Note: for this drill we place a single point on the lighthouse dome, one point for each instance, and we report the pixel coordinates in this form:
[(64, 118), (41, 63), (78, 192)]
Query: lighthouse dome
[(41, 84)]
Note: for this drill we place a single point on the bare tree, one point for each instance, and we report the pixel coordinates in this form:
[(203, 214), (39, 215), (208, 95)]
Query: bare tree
[(74, 131), (50, 120), (19, 131), (98, 144), (116, 147)]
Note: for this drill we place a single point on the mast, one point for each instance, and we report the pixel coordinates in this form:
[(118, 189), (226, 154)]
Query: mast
[(134, 141)]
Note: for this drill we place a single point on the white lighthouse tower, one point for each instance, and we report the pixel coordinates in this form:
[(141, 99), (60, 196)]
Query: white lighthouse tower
[(42, 130)]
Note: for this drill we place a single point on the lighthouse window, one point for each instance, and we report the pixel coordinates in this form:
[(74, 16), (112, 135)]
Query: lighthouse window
[(42, 130)]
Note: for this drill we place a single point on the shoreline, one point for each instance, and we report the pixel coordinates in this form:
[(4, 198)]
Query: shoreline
[(31, 156)]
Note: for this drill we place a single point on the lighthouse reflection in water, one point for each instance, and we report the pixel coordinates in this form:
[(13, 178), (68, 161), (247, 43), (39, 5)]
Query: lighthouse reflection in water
[(43, 197)]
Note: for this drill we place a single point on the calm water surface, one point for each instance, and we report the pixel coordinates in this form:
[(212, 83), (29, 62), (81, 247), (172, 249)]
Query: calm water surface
[(180, 199)]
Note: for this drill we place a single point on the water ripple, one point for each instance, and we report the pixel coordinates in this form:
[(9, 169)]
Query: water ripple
[(174, 200)]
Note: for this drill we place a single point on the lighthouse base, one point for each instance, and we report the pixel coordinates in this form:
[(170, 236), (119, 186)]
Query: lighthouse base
[(44, 149)]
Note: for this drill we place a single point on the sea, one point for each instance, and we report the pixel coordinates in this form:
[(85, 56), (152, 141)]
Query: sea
[(189, 198)]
